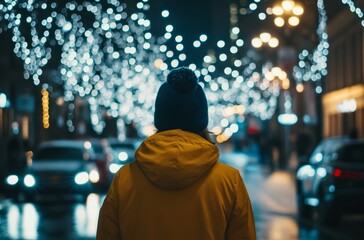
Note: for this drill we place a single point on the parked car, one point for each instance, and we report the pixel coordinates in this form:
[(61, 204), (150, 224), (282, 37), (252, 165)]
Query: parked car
[(332, 182), (57, 167), (123, 152), (101, 161), (10, 184)]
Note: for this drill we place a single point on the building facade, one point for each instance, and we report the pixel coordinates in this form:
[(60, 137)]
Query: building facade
[(343, 101)]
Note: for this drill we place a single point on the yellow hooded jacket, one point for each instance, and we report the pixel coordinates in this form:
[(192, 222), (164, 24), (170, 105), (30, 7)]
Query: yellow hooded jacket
[(176, 190)]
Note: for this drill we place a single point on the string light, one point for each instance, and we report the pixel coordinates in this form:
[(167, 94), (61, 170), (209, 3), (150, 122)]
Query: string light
[(354, 9), (312, 67), (110, 58), (45, 108)]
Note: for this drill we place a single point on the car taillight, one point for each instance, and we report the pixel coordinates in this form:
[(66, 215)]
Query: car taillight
[(340, 173), (337, 172)]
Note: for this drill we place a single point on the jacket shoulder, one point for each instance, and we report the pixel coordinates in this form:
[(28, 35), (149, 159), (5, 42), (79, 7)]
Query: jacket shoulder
[(228, 171), (226, 168)]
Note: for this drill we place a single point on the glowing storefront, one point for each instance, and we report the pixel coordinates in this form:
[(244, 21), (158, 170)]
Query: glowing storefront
[(344, 111)]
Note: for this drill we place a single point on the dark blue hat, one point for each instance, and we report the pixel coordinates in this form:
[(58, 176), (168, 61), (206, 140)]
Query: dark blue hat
[(181, 103)]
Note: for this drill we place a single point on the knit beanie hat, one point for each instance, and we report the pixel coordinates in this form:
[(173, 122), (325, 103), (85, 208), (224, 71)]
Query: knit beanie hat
[(181, 103)]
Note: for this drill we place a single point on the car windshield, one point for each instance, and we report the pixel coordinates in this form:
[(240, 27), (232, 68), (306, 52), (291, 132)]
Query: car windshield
[(59, 153), (98, 148), (122, 145), (325, 149), (352, 153)]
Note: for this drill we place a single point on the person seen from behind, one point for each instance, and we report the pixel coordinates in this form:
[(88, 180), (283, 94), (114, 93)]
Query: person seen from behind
[(177, 189)]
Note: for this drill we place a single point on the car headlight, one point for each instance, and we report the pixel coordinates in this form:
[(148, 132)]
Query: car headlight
[(123, 156), (29, 180), (305, 171), (113, 168), (94, 176), (81, 178), (12, 179)]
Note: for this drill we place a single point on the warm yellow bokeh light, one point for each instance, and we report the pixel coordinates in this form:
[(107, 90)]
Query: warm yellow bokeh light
[(293, 21), (282, 75), (277, 10), (216, 130), (265, 37), (158, 63), (276, 71), (288, 5), (222, 138), (298, 10), (300, 88), (227, 112), (285, 84), (256, 42), (279, 22), (287, 11), (273, 42), (269, 11), (239, 109)]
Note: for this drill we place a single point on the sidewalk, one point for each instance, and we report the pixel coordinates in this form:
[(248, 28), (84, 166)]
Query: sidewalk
[(272, 194)]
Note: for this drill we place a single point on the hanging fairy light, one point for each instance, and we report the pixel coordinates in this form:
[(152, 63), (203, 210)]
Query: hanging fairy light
[(34, 50), (251, 8), (313, 66), (354, 9), (110, 58), (45, 108)]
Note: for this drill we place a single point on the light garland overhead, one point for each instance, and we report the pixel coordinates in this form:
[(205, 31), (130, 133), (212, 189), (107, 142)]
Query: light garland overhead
[(32, 47), (110, 58)]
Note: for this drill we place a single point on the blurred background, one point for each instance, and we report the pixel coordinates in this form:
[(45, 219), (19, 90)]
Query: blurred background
[(285, 85)]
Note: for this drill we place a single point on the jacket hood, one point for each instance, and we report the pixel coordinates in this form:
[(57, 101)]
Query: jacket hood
[(176, 159)]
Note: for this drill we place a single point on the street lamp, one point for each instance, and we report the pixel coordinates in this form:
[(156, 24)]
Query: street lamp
[(276, 73), (265, 38), (287, 11)]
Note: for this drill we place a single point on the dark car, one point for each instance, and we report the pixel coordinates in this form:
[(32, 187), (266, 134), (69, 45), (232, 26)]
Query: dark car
[(123, 152), (332, 183), (57, 167), (102, 160)]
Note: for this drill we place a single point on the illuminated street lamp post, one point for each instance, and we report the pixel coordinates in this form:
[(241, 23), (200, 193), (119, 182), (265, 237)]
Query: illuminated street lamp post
[(265, 38), (287, 11), (287, 14), (286, 118)]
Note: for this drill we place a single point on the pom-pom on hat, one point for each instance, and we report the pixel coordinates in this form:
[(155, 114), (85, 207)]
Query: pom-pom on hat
[(181, 103)]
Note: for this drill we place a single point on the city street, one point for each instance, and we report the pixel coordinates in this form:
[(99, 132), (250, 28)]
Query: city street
[(277, 85), (272, 196)]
